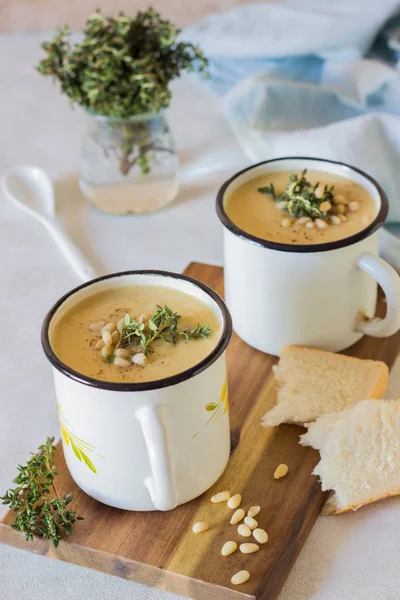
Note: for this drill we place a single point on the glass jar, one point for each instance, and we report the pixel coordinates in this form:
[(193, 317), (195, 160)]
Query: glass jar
[(128, 166)]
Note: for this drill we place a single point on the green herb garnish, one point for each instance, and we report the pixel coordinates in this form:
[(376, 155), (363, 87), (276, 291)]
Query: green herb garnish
[(123, 68), (303, 198), (37, 514), (163, 325)]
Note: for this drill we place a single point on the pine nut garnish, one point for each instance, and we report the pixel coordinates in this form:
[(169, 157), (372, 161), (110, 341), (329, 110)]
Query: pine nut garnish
[(260, 535), (139, 359), (244, 530), (335, 220), (124, 352), (121, 362), (99, 344), (340, 209), (228, 548), (339, 199), (109, 327), (321, 224), (303, 220), (282, 205), (121, 324), (107, 338), (253, 511), (249, 548), (354, 206), (251, 523), (237, 516), (115, 337), (234, 501), (281, 471), (97, 326), (325, 206), (319, 192), (286, 223), (240, 577), (220, 497), (200, 527), (343, 218), (107, 350), (310, 225)]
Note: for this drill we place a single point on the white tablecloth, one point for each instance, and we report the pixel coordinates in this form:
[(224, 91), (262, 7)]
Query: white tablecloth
[(352, 557)]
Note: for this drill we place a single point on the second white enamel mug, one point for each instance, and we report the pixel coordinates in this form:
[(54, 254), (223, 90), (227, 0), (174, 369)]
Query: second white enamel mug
[(321, 295), (151, 445)]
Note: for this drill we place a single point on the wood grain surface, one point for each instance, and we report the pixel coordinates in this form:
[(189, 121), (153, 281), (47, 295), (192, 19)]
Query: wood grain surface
[(159, 549)]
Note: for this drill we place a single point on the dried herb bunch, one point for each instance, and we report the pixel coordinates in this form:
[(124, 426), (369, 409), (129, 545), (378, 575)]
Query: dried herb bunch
[(301, 198), (37, 514), (121, 69)]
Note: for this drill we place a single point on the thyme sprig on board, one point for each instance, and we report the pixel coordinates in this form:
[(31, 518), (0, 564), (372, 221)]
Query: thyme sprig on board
[(37, 513), (164, 325), (302, 197)]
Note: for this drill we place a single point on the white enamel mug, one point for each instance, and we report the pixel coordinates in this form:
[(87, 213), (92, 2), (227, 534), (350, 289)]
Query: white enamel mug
[(322, 295), (151, 445)]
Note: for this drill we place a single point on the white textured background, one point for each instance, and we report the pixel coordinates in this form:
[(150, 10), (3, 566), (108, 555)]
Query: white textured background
[(351, 557)]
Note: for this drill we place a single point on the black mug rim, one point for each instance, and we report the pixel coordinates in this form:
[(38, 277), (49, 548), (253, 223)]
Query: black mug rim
[(208, 360), (303, 248)]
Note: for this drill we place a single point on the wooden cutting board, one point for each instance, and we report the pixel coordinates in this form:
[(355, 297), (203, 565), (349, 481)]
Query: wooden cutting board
[(159, 549)]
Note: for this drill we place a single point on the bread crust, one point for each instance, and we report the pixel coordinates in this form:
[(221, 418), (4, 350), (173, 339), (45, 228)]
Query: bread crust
[(331, 508)]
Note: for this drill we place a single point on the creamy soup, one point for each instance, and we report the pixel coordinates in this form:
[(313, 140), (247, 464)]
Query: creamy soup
[(352, 208), (80, 340)]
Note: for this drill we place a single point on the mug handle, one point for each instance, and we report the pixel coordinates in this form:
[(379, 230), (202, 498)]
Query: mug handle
[(161, 484), (389, 281)]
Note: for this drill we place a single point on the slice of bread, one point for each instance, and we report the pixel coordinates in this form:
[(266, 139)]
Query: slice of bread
[(360, 453), (313, 382)]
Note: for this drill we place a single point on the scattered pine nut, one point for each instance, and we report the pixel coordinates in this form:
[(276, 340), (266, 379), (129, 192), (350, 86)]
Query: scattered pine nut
[(121, 362), (281, 471), (354, 206), (115, 337), (282, 205), (251, 523), (253, 511), (97, 326), (260, 535), (335, 220), (99, 344), (310, 225), (228, 548), (325, 206), (286, 223), (237, 516), (124, 352), (339, 199), (319, 192), (248, 548), (139, 359), (220, 497), (321, 224), (121, 324), (234, 501), (343, 218), (107, 338), (340, 209), (244, 530), (240, 577), (109, 327), (200, 527)]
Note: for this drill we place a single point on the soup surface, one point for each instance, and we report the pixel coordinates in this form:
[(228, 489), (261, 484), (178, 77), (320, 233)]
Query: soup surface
[(258, 213), (82, 348)]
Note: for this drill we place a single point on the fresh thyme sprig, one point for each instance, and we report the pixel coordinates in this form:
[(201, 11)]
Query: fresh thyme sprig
[(164, 325), (303, 198), (37, 514)]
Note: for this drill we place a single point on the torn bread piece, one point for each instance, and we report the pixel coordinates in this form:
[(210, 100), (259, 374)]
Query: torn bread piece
[(360, 454), (314, 382)]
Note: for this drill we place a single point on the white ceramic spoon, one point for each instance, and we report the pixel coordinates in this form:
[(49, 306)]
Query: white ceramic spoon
[(30, 189)]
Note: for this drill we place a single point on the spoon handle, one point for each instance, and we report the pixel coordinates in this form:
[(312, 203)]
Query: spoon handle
[(74, 256)]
